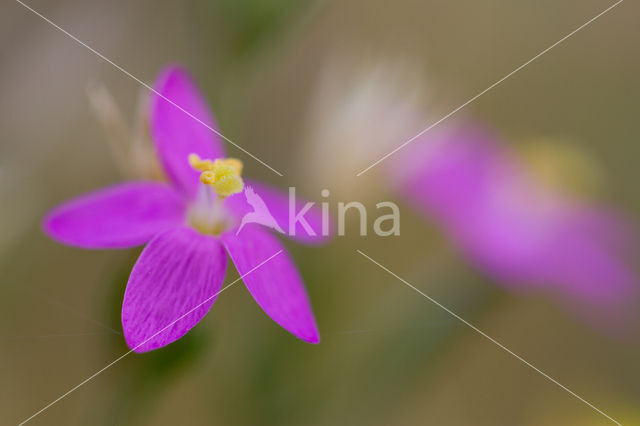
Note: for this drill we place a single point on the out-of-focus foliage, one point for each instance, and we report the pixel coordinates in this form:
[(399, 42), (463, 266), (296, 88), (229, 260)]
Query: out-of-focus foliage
[(246, 25)]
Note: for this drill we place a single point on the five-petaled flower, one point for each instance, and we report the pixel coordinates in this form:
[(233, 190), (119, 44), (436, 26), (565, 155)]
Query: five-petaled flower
[(187, 225)]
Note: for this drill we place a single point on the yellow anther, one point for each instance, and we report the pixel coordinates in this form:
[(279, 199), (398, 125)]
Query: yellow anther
[(197, 163), (208, 177), (223, 174), (233, 162)]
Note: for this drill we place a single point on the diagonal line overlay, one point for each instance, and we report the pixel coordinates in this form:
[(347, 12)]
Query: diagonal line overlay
[(491, 339), (145, 85)]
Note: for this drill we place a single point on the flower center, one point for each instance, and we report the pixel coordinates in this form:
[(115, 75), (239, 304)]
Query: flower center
[(222, 174), (220, 178)]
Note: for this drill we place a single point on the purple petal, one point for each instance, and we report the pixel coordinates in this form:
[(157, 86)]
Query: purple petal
[(119, 216), (591, 252), (171, 288), (450, 170), (510, 226), (456, 177), (275, 284), (277, 202), (179, 126)]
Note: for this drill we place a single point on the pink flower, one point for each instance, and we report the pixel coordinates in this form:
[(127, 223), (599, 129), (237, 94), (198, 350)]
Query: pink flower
[(509, 225), (188, 229)]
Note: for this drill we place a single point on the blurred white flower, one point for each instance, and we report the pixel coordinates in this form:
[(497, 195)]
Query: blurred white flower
[(359, 111)]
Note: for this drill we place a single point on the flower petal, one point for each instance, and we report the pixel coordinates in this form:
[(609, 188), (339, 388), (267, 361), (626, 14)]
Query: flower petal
[(591, 253), (508, 224), (450, 170), (171, 288), (277, 202), (179, 126), (276, 284), (119, 216)]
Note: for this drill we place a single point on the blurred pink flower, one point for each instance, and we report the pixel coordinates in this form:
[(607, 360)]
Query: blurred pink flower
[(518, 231), (187, 230)]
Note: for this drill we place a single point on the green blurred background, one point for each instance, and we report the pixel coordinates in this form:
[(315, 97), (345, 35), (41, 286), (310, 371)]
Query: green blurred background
[(387, 355)]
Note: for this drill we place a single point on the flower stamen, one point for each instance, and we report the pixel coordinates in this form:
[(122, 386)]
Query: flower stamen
[(223, 174)]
